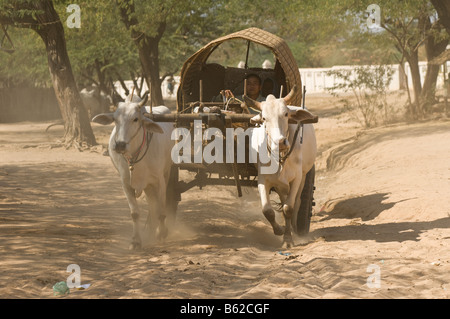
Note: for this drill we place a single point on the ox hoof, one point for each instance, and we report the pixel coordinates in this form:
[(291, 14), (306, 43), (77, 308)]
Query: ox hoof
[(161, 233), (135, 246), (278, 230), (287, 241), (287, 244)]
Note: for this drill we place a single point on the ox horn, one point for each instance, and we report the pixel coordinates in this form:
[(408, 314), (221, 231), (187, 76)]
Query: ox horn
[(144, 100), (252, 103), (288, 98)]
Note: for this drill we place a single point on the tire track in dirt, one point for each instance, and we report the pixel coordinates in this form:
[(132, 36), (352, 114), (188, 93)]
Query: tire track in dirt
[(61, 207)]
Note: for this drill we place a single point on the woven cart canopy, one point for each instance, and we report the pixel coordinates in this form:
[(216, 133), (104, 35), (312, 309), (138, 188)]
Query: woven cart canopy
[(193, 66)]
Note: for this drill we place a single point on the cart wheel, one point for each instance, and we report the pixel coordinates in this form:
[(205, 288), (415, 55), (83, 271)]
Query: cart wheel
[(173, 196), (303, 220)]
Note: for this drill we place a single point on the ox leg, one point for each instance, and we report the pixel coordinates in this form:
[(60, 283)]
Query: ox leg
[(268, 211), (287, 237), (298, 200), (288, 209), (156, 196), (134, 208)]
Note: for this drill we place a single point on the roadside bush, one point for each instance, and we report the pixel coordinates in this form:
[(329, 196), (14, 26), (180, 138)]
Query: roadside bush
[(368, 87)]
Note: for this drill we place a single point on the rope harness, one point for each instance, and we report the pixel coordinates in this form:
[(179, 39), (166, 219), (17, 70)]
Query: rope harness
[(299, 126), (134, 158), (283, 158)]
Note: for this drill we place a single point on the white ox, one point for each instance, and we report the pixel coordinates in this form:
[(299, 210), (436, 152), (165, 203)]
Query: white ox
[(95, 101), (140, 150), (289, 178)]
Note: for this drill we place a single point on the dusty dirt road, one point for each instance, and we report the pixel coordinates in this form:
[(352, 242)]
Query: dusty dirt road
[(383, 208)]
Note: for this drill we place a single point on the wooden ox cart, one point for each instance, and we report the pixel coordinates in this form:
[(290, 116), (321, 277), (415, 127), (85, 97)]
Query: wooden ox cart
[(201, 82)]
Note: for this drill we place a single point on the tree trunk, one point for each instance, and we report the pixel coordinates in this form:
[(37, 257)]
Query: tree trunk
[(433, 49), (122, 83), (46, 22), (413, 61), (149, 56), (443, 9), (405, 79), (102, 83), (402, 77), (77, 128), (148, 48)]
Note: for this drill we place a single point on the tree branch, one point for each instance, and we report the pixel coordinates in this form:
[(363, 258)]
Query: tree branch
[(26, 21)]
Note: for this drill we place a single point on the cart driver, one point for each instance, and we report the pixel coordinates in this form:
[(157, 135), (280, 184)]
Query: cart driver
[(253, 89)]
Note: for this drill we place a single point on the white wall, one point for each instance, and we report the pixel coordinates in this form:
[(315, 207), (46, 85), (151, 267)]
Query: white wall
[(315, 79), (165, 92)]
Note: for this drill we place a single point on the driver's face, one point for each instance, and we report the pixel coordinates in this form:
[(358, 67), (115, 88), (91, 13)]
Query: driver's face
[(253, 87)]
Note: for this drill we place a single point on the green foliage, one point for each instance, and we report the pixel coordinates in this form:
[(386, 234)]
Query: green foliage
[(321, 33), (368, 85), (27, 65), (101, 48)]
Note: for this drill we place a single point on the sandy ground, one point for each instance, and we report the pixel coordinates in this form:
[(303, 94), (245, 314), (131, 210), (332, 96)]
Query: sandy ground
[(382, 208)]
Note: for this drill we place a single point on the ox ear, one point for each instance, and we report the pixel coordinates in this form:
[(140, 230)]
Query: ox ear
[(104, 118), (257, 119), (151, 126), (301, 115)]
